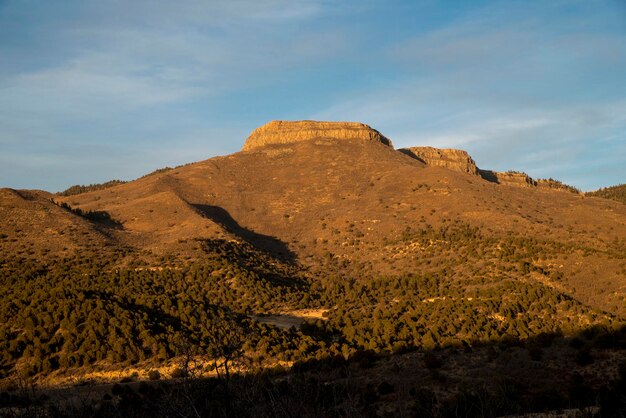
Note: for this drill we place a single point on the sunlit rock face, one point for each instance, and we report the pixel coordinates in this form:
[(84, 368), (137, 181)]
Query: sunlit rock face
[(286, 132), (508, 178), (461, 161), (453, 159)]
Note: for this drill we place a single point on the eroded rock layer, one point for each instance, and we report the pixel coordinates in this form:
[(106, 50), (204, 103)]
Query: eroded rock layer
[(453, 159), (516, 179), (461, 161), (285, 132)]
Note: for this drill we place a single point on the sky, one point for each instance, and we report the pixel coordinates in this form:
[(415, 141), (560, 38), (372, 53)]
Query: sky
[(93, 90)]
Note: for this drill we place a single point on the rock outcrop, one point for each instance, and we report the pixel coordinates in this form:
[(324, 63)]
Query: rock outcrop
[(552, 184), (508, 178), (286, 132), (461, 161), (453, 159)]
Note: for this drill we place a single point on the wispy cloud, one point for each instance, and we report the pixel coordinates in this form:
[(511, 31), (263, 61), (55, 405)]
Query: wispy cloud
[(518, 88), (164, 82), (125, 65), (128, 74)]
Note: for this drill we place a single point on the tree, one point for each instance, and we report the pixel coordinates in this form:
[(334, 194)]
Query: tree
[(227, 337)]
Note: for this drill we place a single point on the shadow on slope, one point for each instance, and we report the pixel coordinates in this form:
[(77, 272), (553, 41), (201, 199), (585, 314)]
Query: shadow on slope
[(265, 242), (510, 377), (99, 216), (488, 175)]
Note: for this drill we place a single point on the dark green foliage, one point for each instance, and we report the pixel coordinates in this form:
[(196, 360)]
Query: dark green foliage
[(614, 192), (556, 184), (467, 290), (78, 189), (77, 313), (432, 361), (158, 171), (312, 394), (96, 216), (85, 311)]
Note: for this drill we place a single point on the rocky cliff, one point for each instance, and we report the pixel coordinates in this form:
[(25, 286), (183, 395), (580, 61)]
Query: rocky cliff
[(552, 184), (508, 178), (459, 160), (453, 159), (285, 132)]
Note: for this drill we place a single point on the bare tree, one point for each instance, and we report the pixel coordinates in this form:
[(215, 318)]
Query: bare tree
[(226, 347)]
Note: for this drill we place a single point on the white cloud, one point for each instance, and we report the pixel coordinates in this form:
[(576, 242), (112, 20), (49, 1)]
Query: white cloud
[(501, 81)]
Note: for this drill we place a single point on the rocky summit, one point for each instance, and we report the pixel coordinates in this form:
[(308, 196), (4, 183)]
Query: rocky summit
[(286, 132)]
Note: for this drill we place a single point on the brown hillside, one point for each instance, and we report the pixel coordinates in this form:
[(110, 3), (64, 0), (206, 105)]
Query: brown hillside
[(359, 204), (32, 226), (318, 243)]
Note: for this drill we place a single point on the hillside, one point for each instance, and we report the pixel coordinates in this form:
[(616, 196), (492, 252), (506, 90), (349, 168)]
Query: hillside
[(617, 193), (393, 251), (366, 205), (33, 226)]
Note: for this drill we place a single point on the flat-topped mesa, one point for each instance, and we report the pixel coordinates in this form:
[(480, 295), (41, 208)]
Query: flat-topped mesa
[(286, 132), (453, 159)]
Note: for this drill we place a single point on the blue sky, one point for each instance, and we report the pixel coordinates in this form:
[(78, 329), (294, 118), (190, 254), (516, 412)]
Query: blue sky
[(96, 90)]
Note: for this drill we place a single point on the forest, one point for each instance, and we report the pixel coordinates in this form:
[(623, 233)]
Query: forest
[(88, 314), (614, 192)]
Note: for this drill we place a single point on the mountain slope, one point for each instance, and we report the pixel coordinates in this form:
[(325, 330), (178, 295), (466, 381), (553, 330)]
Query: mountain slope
[(33, 226), (362, 202), (398, 254)]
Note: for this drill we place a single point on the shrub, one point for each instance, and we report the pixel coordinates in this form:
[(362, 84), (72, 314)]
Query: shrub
[(178, 373), (385, 388), (432, 361)]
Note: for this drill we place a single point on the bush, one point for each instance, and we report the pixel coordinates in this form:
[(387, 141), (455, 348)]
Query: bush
[(179, 373), (535, 352), (432, 361), (583, 357), (385, 388), (117, 389)]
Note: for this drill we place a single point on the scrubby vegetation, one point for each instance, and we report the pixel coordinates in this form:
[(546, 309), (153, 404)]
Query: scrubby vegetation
[(467, 294), (78, 189), (342, 280), (83, 313), (614, 192), (556, 184), (439, 383), (96, 216)]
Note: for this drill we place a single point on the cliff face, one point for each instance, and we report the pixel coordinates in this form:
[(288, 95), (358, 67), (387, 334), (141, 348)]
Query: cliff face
[(552, 184), (285, 132), (508, 178), (453, 159), (461, 161), (288, 132)]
